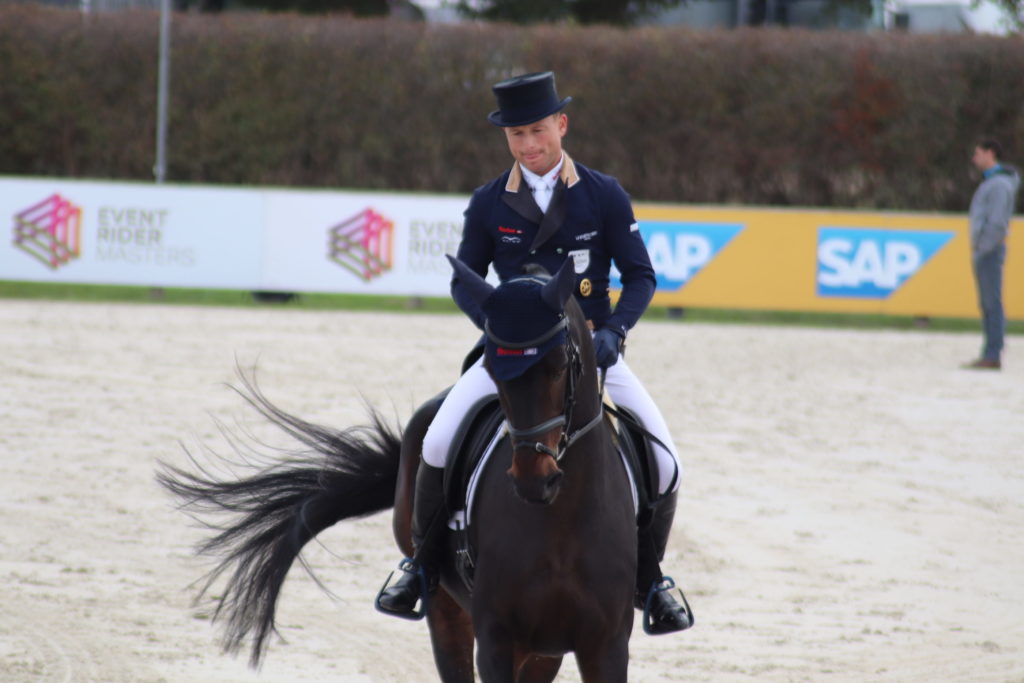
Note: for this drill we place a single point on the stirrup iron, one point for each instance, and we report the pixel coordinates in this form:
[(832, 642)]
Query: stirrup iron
[(666, 584), (409, 566)]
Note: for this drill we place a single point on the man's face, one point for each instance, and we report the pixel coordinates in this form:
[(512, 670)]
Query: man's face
[(538, 146), (983, 159)]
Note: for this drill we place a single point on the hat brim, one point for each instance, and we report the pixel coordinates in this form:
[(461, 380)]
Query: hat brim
[(496, 118), (506, 364)]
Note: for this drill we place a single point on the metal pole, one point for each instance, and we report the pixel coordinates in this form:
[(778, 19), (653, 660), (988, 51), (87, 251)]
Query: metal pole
[(742, 13), (878, 15), (163, 78)]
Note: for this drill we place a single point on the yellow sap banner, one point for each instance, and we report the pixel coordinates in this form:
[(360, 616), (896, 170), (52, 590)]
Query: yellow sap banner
[(813, 260)]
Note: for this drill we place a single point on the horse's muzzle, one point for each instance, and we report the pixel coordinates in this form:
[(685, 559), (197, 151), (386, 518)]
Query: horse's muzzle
[(541, 490)]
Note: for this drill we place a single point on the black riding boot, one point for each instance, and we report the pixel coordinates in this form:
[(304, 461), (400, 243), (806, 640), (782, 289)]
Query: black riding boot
[(662, 614), (419, 575)]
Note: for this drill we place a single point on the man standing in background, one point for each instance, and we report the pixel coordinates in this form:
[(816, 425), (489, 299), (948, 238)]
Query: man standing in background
[(991, 209)]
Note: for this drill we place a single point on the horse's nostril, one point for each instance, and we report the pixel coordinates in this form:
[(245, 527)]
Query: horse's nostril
[(553, 481)]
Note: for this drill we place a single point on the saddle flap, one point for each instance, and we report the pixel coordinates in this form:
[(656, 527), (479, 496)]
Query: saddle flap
[(467, 447), (636, 449)]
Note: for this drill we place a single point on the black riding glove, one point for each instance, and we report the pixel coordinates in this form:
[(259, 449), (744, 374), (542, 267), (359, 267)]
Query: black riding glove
[(607, 343)]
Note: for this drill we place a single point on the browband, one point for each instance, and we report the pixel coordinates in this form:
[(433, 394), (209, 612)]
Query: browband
[(562, 324)]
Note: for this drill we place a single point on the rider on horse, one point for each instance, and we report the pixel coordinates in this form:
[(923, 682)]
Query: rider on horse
[(546, 209)]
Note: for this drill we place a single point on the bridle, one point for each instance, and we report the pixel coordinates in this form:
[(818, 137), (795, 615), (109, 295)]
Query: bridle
[(521, 437)]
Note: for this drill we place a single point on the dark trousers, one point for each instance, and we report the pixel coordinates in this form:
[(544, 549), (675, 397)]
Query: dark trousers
[(988, 274)]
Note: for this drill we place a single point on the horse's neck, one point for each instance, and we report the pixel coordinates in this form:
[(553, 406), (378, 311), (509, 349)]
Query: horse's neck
[(588, 405), (588, 408), (594, 463)]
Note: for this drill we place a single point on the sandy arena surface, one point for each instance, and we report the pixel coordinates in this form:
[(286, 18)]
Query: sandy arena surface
[(854, 502)]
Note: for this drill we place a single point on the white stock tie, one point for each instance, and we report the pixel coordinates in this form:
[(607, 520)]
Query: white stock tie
[(542, 195)]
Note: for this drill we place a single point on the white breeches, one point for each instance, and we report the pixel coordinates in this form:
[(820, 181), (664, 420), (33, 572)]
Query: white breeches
[(621, 384)]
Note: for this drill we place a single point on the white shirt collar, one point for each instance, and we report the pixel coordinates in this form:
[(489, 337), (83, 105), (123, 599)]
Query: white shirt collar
[(549, 178)]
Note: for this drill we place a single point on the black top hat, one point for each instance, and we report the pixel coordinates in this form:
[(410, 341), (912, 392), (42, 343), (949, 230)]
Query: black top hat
[(525, 99)]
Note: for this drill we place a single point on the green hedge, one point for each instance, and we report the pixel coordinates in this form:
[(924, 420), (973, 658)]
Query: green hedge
[(772, 117)]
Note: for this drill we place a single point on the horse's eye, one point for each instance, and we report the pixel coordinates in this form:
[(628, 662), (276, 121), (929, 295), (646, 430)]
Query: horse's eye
[(559, 366)]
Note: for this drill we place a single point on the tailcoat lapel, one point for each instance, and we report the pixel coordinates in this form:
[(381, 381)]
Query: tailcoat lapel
[(518, 197), (521, 201)]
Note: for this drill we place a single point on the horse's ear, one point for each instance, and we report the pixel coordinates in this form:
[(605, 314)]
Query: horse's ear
[(477, 288), (559, 288)]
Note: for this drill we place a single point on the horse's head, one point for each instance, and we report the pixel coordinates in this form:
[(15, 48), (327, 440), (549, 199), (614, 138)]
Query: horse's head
[(539, 353)]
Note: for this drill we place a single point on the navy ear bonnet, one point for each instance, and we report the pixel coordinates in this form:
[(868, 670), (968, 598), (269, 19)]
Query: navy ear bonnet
[(521, 327)]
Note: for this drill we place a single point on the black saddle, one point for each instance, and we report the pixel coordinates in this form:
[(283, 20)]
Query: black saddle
[(477, 430), (635, 443)]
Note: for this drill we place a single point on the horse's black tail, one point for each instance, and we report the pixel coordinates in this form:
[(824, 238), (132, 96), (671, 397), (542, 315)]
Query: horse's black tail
[(266, 518)]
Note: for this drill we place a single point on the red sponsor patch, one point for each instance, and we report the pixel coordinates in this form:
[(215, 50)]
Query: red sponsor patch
[(532, 351), (511, 231)]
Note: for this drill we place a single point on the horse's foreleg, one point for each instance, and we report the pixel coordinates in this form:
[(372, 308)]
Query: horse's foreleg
[(495, 654), (451, 634), (607, 663), (536, 669)]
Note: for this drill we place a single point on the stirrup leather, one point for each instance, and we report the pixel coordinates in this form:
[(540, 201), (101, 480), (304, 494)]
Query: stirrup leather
[(666, 584), (409, 566)]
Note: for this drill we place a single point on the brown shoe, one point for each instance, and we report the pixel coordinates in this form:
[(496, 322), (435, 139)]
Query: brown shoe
[(984, 364)]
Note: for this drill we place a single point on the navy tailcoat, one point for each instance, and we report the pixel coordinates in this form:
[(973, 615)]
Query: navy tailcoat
[(590, 220)]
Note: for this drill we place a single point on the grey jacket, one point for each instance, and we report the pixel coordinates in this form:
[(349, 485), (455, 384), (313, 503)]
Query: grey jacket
[(992, 208)]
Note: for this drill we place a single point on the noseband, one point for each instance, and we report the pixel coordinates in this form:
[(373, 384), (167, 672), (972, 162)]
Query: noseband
[(521, 437)]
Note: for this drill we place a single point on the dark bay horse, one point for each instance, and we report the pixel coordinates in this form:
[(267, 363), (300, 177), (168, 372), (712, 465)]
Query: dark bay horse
[(553, 525)]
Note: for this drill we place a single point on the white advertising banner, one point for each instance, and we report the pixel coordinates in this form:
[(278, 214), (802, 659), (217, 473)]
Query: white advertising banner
[(93, 232), (359, 242), (130, 233)]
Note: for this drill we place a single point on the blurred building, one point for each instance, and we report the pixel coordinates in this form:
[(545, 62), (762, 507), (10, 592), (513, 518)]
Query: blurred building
[(914, 16), (98, 5), (935, 16), (794, 13)]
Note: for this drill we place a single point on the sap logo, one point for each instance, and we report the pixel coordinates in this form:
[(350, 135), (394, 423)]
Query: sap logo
[(872, 264), (678, 251)]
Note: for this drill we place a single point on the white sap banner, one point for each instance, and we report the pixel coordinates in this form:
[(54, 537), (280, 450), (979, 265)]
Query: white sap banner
[(130, 233), (361, 242)]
